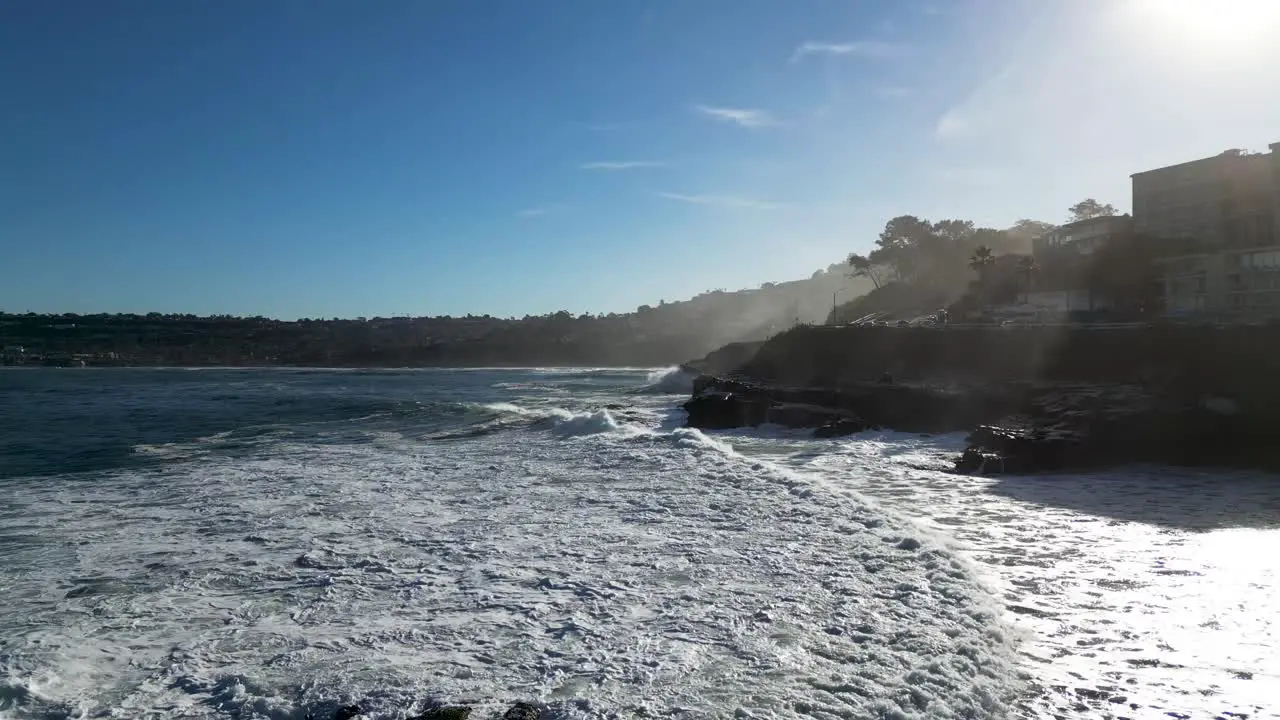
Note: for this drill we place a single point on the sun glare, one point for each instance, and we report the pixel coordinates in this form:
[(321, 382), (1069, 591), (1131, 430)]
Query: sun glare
[(1210, 31)]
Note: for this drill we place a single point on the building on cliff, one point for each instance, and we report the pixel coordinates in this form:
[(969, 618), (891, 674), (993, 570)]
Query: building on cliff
[(1062, 254), (1222, 214), (1081, 238)]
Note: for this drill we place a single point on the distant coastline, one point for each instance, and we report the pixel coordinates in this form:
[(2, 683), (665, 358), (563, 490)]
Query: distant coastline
[(658, 335)]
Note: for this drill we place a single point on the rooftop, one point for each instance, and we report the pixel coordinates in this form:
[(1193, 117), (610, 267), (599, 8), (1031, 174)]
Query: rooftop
[(1233, 153)]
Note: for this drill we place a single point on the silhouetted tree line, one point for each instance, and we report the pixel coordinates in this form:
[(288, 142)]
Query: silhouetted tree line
[(667, 333)]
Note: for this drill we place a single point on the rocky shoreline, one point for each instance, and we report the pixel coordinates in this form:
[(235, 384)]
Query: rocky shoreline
[(1014, 428)]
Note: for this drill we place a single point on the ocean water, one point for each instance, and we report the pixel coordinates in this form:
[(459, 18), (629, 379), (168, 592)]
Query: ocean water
[(279, 543)]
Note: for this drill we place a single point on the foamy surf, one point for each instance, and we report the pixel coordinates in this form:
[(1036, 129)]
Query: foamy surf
[(484, 537), (599, 566)]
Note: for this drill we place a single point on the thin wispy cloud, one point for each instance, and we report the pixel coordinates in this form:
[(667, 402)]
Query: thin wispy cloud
[(893, 91), (1009, 92), (531, 213), (742, 117), (724, 201), (861, 48), (621, 165)]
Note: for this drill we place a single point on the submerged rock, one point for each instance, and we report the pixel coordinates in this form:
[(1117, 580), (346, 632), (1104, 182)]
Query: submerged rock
[(522, 711), (840, 428)]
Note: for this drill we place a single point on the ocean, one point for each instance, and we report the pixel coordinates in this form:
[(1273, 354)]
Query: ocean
[(281, 543)]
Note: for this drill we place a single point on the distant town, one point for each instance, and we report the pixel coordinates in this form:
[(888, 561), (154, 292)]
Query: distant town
[(1201, 245)]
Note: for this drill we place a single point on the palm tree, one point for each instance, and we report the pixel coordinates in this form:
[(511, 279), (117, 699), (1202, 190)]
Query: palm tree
[(980, 262), (1027, 268), (981, 259)]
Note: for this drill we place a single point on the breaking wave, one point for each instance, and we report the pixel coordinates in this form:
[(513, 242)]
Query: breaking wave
[(668, 381)]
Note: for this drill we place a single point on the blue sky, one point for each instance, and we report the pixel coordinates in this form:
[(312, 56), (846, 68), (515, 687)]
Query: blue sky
[(335, 158)]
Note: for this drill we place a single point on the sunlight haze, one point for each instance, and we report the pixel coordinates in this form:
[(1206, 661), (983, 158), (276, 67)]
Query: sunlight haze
[(333, 159)]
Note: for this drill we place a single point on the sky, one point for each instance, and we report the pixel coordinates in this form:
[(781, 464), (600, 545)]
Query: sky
[(331, 158)]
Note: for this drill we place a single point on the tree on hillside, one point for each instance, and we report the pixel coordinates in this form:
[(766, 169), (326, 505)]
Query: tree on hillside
[(980, 262), (981, 259), (1027, 270), (1023, 232), (861, 266), (902, 245), (1089, 208), (955, 231), (1031, 228)]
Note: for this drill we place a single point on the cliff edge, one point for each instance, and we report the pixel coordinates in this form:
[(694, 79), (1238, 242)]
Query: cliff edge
[(1034, 399)]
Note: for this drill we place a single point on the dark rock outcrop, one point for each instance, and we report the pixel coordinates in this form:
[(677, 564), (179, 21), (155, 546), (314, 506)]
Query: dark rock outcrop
[(840, 428), (522, 711), (720, 403), (724, 410), (1014, 428), (1085, 428), (1037, 399)]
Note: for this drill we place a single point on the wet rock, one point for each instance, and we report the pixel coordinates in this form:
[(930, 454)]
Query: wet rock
[(795, 415), (909, 544), (522, 711), (347, 712), (996, 449), (724, 410), (840, 428), (1033, 612)]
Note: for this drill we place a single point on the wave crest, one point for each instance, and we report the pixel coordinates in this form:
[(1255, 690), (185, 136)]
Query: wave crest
[(667, 381)]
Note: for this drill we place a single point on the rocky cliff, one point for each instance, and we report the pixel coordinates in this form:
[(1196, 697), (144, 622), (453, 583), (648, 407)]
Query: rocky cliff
[(1035, 399)]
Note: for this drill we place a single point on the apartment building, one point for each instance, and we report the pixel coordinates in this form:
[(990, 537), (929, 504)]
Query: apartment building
[(1222, 214), (1064, 254), (1224, 201), (1081, 238)]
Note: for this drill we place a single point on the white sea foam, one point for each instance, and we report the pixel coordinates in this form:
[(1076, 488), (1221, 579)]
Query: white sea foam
[(625, 573), (1138, 592), (587, 553), (669, 381)]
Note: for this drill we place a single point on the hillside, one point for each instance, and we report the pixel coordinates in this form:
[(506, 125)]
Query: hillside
[(652, 335)]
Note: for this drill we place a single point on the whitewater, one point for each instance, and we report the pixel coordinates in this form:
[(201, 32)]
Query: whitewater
[(283, 543)]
